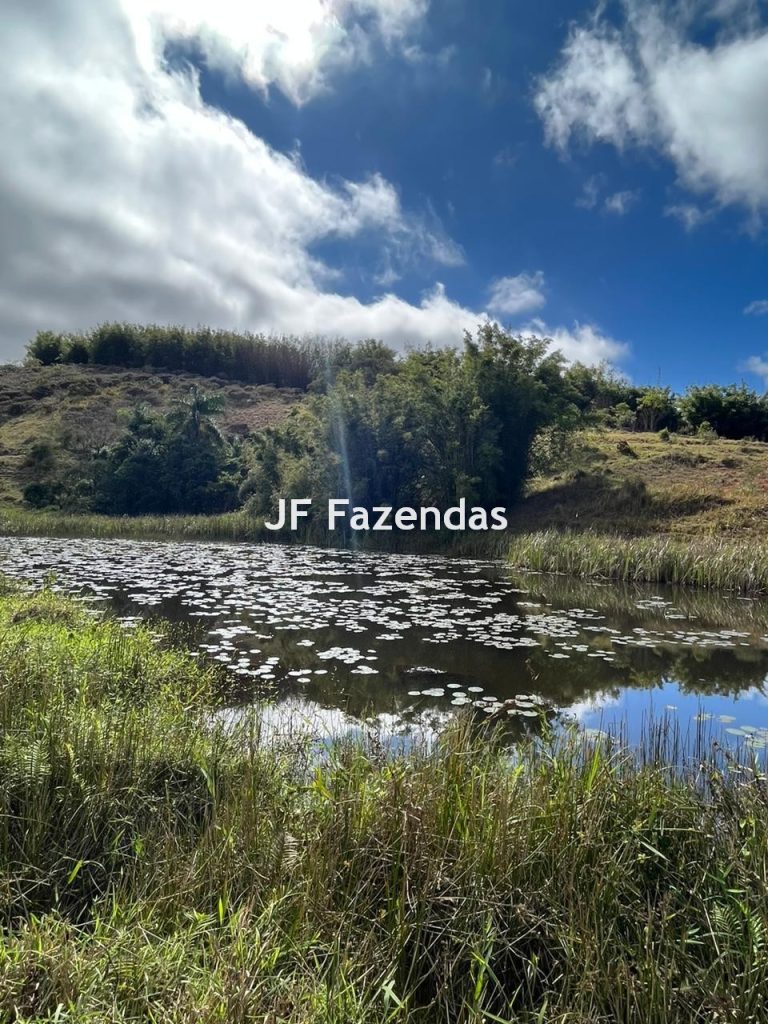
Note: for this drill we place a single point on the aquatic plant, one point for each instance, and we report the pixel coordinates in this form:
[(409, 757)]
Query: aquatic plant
[(722, 564)]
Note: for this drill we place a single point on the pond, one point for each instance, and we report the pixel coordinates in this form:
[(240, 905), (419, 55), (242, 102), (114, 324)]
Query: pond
[(341, 640)]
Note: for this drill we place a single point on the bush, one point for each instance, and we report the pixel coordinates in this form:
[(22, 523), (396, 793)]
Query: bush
[(42, 495), (47, 348), (733, 411)]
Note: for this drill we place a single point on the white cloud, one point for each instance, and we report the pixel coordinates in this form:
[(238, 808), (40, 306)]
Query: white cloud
[(292, 44), (582, 343), (520, 294), (616, 203), (124, 196), (651, 83), (757, 308), (596, 90), (757, 365), (590, 193), (620, 203), (689, 215)]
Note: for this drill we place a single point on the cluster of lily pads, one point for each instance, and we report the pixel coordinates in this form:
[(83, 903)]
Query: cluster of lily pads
[(751, 735), (274, 614)]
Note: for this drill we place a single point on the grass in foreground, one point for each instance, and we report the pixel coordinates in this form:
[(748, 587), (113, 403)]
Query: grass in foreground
[(157, 864)]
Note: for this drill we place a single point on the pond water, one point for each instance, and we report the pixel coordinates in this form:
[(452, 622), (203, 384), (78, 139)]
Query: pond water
[(341, 638)]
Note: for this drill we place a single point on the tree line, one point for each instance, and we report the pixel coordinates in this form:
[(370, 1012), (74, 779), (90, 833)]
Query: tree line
[(606, 398), (426, 428), (421, 429), (250, 358)]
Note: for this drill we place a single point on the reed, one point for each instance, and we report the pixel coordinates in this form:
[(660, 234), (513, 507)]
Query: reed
[(230, 526), (160, 861), (732, 565)]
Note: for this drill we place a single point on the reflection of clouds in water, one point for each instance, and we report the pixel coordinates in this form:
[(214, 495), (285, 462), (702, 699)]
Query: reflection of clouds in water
[(597, 704), (755, 694), (305, 720)]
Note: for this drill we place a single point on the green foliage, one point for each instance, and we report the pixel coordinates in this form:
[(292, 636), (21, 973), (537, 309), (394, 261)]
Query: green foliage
[(599, 388), (605, 397), (164, 465), (370, 357), (252, 358), (161, 862), (179, 463), (656, 409), (732, 410), (426, 430), (43, 494), (47, 348)]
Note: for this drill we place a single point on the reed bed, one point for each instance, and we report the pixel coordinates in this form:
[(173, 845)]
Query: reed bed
[(229, 526), (160, 863), (711, 562)]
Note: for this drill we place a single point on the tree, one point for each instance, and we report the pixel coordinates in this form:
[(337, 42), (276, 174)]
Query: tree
[(168, 465), (195, 411), (437, 426), (656, 409), (732, 410)]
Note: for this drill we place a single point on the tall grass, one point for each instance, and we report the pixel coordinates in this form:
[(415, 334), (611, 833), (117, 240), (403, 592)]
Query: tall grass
[(229, 526), (160, 864), (740, 566)]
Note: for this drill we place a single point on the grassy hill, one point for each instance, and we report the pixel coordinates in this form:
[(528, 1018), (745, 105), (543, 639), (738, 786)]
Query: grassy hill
[(76, 407), (640, 484)]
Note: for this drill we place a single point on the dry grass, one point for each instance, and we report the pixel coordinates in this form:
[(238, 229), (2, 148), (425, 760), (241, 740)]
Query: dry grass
[(78, 408), (685, 486)]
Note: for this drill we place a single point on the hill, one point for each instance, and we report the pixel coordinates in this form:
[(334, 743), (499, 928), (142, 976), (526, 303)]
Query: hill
[(640, 484), (75, 408)]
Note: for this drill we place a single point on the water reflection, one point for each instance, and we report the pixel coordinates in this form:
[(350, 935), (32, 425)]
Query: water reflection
[(410, 639)]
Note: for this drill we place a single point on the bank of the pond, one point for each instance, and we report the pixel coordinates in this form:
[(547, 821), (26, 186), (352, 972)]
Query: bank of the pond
[(157, 863), (739, 566), (237, 526), (232, 526), (725, 563)]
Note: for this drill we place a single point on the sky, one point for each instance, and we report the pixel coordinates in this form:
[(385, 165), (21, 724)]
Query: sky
[(399, 169)]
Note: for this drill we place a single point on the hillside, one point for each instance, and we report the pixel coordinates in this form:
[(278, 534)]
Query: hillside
[(640, 484), (77, 407), (632, 483)]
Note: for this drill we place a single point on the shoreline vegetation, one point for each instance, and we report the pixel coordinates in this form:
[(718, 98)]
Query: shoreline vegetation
[(737, 566), (162, 861), (152, 432), (734, 565)]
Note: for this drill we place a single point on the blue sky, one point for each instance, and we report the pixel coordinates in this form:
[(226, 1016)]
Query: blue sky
[(396, 168)]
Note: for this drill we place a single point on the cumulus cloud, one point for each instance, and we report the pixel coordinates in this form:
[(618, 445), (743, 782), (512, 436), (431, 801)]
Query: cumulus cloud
[(520, 294), (757, 308), (294, 45), (650, 82), (759, 366), (124, 195), (582, 343)]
